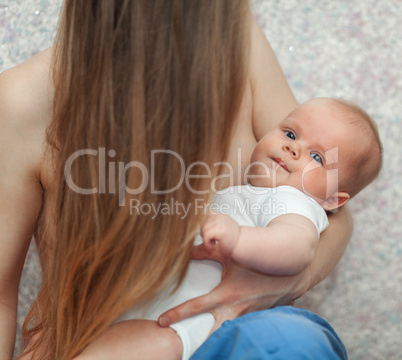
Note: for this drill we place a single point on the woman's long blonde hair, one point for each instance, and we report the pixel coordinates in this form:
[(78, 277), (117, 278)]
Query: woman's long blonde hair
[(132, 76)]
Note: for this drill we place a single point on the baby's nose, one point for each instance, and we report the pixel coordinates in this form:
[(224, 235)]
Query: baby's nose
[(293, 149)]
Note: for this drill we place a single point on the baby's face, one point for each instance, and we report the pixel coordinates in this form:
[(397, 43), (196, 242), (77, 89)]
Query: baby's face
[(309, 150)]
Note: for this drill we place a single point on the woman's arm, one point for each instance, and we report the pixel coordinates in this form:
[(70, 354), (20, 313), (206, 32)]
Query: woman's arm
[(242, 290), (20, 195), (332, 244)]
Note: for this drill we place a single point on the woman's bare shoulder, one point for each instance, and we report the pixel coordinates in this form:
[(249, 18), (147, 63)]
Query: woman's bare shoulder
[(26, 89), (25, 109)]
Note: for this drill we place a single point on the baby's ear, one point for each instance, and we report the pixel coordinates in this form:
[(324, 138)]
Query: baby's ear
[(335, 201)]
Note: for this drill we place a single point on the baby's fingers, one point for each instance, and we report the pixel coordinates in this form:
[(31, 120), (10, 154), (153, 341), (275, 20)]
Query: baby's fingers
[(210, 241)]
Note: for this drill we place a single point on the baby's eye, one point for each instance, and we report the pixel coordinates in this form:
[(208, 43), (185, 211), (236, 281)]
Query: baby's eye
[(290, 135), (317, 158)]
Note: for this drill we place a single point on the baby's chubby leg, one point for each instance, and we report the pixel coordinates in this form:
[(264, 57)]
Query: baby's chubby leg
[(135, 339)]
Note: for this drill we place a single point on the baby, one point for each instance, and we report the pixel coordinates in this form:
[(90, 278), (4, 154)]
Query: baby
[(314, 161)]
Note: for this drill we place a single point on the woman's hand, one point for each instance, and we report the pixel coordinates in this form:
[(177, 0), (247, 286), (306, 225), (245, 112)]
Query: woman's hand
[(241, 291)]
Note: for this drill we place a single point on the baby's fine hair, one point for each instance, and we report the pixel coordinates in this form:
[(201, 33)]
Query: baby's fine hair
[(365, 170)]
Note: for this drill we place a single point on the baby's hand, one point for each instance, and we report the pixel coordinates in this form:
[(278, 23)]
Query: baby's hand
[(220, 230)]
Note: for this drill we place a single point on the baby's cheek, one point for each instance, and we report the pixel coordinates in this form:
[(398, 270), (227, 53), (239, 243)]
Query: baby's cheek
[(314, 183)]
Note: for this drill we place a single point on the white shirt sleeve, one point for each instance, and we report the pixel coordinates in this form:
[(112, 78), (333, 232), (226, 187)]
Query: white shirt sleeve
[(288, 200)]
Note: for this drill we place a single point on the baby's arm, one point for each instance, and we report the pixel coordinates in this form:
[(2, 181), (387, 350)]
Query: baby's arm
[(285, 247)]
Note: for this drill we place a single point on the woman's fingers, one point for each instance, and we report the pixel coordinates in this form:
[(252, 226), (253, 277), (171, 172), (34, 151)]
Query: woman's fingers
[(222, 302), (224, 313), (200, 305), (198, 252), (241, 291), (201, 252)]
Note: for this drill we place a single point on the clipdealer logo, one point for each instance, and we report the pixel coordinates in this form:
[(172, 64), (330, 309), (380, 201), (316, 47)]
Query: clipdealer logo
[(147, 175)]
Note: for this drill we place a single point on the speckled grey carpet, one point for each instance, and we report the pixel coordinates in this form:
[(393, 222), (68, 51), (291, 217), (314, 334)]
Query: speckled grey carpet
[(346, 48)]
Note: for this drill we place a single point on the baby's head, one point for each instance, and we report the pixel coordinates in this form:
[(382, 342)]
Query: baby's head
[(328, 148)]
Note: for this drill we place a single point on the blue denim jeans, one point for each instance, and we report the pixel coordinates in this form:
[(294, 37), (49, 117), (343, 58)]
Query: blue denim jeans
[(282, 333)]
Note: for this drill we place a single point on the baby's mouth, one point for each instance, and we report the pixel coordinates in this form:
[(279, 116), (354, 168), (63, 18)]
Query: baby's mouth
[(281, 163)]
